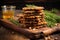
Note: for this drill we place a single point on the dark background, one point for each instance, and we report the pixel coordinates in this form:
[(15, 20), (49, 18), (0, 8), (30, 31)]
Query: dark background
[(48, 4)]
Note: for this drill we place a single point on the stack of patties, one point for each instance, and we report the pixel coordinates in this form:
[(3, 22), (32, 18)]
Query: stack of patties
[(33, 17)]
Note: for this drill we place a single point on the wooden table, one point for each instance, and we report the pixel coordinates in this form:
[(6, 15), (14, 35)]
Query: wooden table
[(6, 34)]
